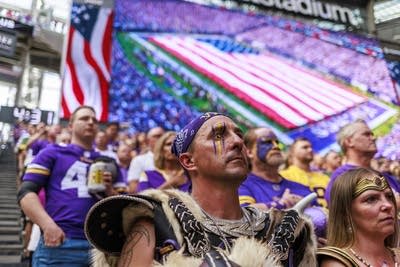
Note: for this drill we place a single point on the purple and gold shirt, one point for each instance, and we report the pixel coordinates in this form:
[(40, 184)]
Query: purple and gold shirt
[(62, 171), (257, 190)]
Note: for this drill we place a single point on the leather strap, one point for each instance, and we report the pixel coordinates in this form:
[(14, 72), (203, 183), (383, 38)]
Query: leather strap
[(338, 254)]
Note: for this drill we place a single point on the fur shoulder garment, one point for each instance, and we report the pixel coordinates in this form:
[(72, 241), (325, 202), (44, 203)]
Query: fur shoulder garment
[(245, 251)]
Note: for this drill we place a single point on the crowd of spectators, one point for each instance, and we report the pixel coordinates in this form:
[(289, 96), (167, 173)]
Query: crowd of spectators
[(388, 144), (347, 64), (194, 18), (136, 99), (340, 54), (125, 100), (302, 162), (162, 16)]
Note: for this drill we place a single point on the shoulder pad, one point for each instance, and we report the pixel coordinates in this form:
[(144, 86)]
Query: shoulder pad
[(103, 225)]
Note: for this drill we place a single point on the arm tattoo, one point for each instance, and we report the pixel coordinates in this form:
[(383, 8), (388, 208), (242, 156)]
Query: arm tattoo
[(137, 233)]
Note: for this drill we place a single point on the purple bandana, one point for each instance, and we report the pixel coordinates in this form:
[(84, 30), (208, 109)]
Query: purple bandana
[(185, 137)]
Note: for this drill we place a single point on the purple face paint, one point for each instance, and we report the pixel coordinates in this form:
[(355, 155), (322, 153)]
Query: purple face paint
[(218, 131), (265, 144)]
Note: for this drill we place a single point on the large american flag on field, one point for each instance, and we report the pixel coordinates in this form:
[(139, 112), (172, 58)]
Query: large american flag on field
[(87, 69), (287, 94)]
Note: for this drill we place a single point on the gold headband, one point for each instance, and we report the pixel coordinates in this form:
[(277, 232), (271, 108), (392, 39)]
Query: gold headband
[(364, 184)]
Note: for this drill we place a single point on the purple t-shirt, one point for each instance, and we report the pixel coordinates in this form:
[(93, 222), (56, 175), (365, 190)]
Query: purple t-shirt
[(153, 179), (63, 171), (124, 173), (256, 189), (347, 167)]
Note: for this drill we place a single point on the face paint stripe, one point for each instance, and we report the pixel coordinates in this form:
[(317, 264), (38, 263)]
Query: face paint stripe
[(218, 131)]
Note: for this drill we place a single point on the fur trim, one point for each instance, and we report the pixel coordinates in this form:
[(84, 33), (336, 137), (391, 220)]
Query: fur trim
[(310, 254), (245, 251), (176, 259), (249, 252), (99, 259)]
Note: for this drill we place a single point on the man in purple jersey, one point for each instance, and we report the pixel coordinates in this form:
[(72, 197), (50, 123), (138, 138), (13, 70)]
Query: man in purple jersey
[(62, 172), (264, 186), (358, 145)]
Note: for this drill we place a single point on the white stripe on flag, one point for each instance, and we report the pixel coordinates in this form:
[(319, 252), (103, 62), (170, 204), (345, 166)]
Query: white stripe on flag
[(68, 94), (87, 76), (96, 44)]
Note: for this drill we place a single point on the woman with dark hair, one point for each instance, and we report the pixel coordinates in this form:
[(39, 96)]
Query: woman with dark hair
[(362, 226), (168, 172)]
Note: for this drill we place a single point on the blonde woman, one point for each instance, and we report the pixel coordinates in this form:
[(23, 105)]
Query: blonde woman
[(363, 226), (168, 172)]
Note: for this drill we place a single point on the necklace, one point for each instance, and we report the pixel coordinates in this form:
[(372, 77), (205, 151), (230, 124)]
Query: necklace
[(248, 225), (222, 235), (366, 263)]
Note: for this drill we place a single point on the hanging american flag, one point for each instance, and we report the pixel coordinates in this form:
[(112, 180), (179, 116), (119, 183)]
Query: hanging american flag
[(87, 69), (287, 94), (394, 70)]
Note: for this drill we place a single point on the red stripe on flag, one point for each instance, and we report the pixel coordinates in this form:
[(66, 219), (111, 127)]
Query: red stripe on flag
[(65, 109), (99, 75), (107, 41), (74, 76)]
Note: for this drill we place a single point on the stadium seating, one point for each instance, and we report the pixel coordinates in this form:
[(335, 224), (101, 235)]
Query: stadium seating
[(135, 99)]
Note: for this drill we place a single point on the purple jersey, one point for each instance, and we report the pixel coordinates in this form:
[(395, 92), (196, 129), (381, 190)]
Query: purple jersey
[(63, 171), (38, 145), (347, 167), (153, 179), (257, 190)]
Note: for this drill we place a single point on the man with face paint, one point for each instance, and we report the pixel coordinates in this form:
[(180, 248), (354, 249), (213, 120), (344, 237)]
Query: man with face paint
[(208, 227), (264, 187)]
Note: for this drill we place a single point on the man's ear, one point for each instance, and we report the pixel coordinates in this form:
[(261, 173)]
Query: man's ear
[(249, 153), (186, 161), (348, 142)]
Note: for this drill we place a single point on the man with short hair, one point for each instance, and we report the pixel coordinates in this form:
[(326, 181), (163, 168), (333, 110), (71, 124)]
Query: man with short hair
[(63, 172), (357, 142), (332, 161), (102, 147), (124, 159), (143, 162), (264, 187), (112, 131), (209, 226), (300, 156)]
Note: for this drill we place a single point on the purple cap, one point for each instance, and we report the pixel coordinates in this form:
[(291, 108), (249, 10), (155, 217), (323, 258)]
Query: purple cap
[(185, 136)]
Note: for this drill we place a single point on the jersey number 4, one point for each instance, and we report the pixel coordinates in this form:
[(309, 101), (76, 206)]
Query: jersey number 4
[(76, 177)]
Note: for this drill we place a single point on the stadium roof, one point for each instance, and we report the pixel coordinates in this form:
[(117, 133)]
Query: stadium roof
[(386, 10)]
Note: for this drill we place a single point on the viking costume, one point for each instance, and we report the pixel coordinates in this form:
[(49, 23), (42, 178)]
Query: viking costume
[(187, 236)]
